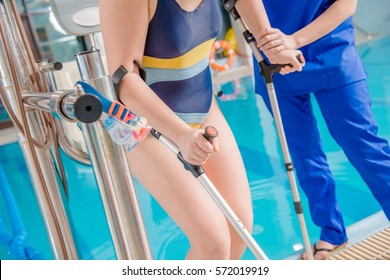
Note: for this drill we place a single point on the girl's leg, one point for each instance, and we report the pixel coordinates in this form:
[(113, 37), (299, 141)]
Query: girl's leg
[(227, 172), (183, 198)]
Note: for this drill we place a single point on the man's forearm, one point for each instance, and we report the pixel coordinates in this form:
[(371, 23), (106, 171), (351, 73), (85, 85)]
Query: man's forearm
[(339, 11)]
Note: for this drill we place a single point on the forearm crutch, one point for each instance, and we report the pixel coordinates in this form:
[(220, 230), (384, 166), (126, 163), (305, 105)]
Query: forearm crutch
[(267, 70), (198, 172), (119, 111)]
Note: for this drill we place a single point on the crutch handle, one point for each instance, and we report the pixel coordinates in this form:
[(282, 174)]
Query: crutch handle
[(268, 70), (300, 58), (210, 133)]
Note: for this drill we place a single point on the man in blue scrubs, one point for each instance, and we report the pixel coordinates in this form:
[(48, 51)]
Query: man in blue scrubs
[(334, 75)]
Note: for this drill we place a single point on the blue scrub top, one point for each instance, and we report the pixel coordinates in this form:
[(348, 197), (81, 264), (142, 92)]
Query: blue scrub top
[(331, 61)]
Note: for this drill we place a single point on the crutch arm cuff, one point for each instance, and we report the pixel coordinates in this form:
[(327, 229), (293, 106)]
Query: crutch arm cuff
[(229, 5), (117, 78), (121, 72)]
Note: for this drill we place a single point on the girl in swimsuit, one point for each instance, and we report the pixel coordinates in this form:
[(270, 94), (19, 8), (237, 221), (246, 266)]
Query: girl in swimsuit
[(172, 40)]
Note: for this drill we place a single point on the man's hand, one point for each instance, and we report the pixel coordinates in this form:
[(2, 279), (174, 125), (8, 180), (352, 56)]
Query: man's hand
[(280, 48), (287, 57), (272, 40)]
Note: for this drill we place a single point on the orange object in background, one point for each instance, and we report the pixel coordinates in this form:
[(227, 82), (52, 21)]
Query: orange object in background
[(220, 44)]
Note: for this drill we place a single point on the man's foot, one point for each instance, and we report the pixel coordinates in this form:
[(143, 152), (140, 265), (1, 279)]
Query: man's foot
[(322, 250)]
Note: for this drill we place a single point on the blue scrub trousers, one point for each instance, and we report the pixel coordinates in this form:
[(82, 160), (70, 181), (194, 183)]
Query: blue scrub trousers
[(347, 112)]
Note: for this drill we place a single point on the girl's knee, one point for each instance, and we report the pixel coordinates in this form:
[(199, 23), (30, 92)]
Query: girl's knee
[(238, 245), (218, 247), (213, 242)]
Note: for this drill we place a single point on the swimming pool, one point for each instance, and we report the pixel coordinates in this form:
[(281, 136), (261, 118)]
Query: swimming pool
[(276, 226)]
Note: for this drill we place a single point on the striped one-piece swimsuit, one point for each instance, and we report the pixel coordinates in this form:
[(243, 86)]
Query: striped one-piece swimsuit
[(176, 57)]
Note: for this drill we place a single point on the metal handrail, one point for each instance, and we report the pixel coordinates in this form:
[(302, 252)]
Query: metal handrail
[(19, 74), (112, 171), (32, 99)]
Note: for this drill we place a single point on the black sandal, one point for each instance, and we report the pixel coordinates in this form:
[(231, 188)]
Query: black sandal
[(329, 251)]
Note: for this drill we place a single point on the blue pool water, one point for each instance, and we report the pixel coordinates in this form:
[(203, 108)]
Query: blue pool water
[(276, 226), (3, 113)]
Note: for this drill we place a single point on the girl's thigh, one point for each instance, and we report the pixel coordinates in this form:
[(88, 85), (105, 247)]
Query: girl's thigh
[(226, 168), (176, 190)]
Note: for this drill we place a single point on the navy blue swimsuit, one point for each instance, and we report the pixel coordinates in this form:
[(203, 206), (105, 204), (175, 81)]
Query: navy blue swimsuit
[(176, 57)]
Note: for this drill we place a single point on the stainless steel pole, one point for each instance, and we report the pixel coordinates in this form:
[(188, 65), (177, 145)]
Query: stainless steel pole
[(67, 105), (18, 74), (112, 171)]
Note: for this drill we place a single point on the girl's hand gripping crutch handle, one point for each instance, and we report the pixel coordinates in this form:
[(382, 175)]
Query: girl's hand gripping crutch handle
[(197, 170)]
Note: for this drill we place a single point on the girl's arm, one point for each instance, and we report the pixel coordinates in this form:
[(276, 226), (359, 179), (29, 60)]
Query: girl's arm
[(254, 15), (124, 25)]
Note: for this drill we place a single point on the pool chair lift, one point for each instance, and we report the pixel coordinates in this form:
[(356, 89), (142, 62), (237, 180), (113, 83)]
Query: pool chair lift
[(267, 71)]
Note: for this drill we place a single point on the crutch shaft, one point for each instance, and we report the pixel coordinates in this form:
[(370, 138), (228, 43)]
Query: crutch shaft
[(232, 218), (267, 71)]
